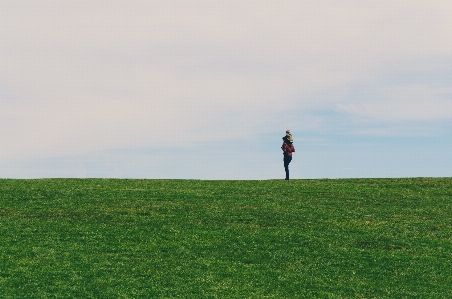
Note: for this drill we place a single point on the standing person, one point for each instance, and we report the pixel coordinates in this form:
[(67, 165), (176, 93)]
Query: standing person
[(288, 148)]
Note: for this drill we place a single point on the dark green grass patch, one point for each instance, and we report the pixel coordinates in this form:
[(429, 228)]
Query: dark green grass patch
[(357, 238)]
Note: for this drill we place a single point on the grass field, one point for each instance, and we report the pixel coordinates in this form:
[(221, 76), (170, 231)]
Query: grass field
[(354, 238)]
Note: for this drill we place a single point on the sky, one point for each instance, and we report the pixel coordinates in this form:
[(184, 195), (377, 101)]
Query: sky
[(205, 89)]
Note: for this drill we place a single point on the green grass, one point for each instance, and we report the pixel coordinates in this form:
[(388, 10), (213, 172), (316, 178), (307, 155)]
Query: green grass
[(356, 238)]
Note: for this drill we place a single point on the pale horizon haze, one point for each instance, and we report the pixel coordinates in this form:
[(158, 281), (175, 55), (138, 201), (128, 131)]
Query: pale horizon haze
[(205, 89)]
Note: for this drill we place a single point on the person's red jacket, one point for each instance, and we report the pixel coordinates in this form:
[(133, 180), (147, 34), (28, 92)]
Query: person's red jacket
[(288, 149)]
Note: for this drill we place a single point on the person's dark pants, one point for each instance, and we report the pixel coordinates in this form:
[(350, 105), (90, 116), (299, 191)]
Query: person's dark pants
[(287, 160)]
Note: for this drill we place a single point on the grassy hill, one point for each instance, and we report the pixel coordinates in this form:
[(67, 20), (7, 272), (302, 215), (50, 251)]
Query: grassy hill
[(354, 238)]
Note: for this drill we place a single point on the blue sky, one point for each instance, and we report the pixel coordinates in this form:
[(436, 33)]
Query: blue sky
[(206, 89)]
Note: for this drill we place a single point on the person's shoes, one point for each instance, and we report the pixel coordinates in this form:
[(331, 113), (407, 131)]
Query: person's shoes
[(286, 179)]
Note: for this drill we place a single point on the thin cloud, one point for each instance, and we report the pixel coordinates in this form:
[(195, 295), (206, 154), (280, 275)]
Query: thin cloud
[(413, 103)]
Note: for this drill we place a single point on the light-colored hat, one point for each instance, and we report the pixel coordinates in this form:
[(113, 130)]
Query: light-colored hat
[(287, 131)]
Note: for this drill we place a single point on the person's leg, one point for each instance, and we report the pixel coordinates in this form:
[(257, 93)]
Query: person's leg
[(287, 160)]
